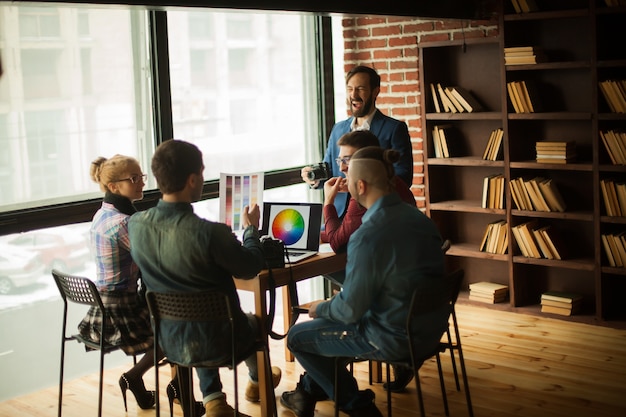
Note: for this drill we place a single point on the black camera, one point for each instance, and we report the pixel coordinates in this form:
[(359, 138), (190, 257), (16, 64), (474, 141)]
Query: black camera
[(319, 171), (273, 252)]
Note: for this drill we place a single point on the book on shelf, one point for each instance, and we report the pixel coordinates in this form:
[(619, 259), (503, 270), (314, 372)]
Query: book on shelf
[(445, 100), (565, 303), (495, 238), (615, 145), (454, 100), (433, 94), (466, 99), (513, 98), (520, 194), (535, 196), (494, 145), (621, 249), (541, 200), (486, 298), (526, 239), (552, 195), (562, 296), (487, 287), (555, 242), (614, 93), (620, 189), (437, 143), (523, 97), (528, 6), (562, 311), (609, 196), (493, 192), (543, 244), (608, 252)]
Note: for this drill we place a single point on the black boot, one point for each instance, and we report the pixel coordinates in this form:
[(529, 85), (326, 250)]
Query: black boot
[(299, 401), (403, 375)]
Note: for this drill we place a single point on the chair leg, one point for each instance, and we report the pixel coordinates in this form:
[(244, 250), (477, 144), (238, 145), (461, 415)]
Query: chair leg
[(388, 389), (336, 385), (420, 397), (443, 385), (59, 413), (451, 347), (468, 397), (100, 381)]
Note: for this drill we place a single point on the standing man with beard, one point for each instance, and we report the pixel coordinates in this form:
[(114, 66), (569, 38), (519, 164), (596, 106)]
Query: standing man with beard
[(362, 88)]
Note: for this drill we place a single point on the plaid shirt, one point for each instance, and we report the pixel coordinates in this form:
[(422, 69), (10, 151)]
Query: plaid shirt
[(115, 268)]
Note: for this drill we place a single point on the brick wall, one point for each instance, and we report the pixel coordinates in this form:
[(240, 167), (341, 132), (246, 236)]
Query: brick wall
[(389, 45)]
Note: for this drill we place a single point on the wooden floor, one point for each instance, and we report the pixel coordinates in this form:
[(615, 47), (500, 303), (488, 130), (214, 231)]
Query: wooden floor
[(518, 365)]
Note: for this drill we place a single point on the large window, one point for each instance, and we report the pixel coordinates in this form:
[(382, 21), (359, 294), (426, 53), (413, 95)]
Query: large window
[(79, 83), (238, 87)]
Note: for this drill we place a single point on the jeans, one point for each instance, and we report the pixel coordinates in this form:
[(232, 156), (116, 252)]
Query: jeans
[(316, 344), (210, 383)]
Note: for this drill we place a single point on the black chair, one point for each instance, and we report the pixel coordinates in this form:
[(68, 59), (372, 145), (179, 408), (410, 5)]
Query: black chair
[(422, 302), (213, 308), (81, 290)]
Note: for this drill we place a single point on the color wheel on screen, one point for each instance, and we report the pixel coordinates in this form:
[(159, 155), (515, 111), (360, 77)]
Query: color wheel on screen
[(288, 226)]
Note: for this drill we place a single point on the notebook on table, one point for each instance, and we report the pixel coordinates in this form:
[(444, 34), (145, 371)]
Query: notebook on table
[(298, 225)]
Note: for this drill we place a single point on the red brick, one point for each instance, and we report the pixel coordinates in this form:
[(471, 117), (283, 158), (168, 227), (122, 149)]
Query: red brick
[(402, 41), (435, 37), (371, 43)]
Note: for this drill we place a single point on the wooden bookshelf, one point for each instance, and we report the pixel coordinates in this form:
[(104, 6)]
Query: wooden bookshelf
[(584, 43)]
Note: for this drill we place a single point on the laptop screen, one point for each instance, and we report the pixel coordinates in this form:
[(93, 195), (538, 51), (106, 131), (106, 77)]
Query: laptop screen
[(296, 224)]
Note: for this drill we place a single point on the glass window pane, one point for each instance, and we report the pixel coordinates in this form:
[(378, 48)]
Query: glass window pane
[(242, 98), (70, 100)]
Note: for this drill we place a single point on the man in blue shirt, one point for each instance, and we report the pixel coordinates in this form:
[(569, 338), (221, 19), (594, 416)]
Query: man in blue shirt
[(362, 89), (396, 249)]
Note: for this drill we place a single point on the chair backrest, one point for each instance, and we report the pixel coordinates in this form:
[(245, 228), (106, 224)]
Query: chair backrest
[(204, 306), (77, 289), (432, 299)]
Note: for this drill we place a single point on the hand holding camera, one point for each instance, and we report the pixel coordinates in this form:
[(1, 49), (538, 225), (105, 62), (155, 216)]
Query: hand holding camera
[(313, 174)]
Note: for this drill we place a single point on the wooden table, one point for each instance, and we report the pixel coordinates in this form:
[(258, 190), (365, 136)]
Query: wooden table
[(320, 264)]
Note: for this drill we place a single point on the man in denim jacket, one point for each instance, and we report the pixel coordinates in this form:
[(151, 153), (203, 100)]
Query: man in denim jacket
[(177, 251)]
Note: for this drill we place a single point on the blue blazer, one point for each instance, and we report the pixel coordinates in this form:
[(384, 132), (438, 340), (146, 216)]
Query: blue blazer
[(391, 133)]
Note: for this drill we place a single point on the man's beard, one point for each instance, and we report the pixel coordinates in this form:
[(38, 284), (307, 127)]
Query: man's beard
[(365, 109)]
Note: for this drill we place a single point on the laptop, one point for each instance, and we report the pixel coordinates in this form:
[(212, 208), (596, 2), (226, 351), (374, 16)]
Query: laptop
[(298, 225)]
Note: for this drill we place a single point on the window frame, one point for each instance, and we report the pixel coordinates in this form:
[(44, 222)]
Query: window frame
[(79, 211)]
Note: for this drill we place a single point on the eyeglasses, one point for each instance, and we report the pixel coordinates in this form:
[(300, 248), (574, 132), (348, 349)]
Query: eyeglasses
[(134, 179), (345, 160)]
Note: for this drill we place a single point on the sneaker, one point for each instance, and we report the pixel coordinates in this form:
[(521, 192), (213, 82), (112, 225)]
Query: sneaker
[(403, 375), (252, 389), (220, 408), (300, 402)]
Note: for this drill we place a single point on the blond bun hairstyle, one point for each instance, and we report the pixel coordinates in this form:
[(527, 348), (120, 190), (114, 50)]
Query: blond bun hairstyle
[(104, 171)]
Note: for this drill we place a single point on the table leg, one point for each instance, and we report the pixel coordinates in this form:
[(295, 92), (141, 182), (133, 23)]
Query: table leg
[(266, 389), (287, 320)]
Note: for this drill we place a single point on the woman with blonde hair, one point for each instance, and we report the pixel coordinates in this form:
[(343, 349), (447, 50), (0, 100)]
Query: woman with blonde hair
[(117, 276)]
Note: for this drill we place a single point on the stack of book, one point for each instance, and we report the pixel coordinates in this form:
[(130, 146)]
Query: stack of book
[(536, 194), (615, 248), (614, 197), (488, 292), (494, 145), (523, 55), (455, 99), (615, 144), (562, 303), (614, 92), (496, 238), (523, 96), (556, 152)]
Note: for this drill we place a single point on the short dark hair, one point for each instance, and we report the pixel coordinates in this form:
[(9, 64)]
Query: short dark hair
[(374, 77), (358, 139), (173, 161)]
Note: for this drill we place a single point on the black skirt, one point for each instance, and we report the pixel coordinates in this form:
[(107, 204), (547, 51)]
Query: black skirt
[(128, 323)]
